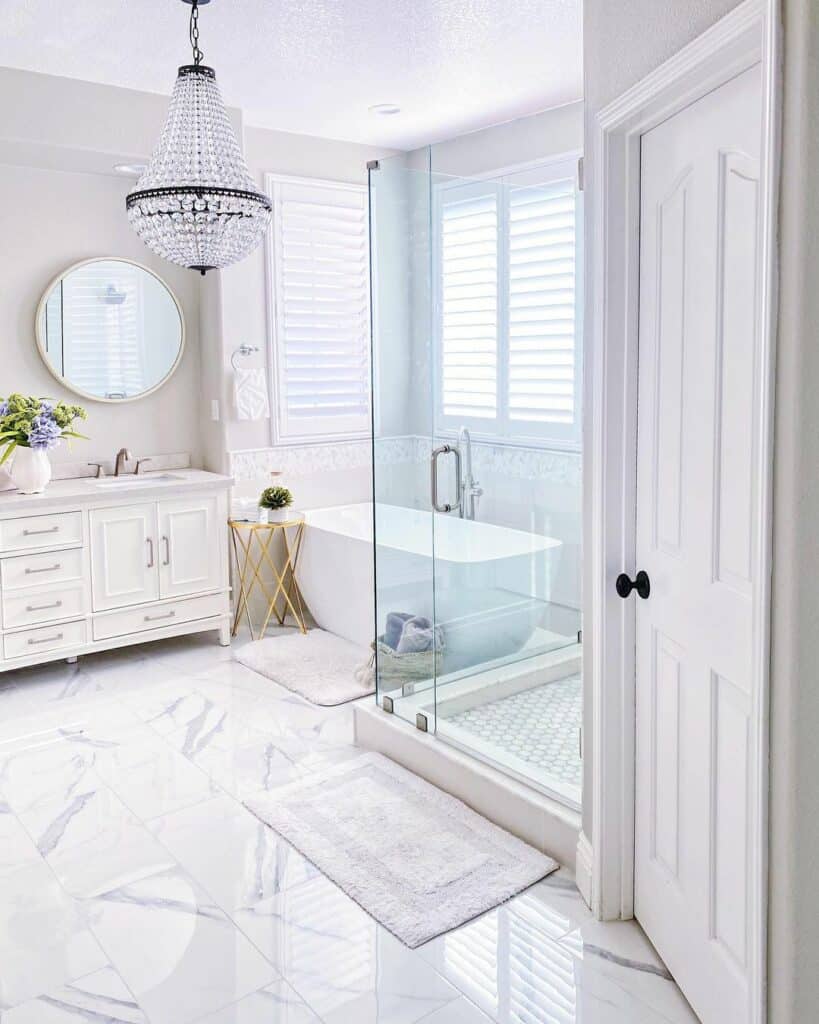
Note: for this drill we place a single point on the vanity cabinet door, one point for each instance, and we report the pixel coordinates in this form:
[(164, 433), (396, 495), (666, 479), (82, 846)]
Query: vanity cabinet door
[(188, 547), (124, 556)]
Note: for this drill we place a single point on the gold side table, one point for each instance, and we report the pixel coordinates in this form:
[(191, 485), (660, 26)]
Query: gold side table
[(251, 548)]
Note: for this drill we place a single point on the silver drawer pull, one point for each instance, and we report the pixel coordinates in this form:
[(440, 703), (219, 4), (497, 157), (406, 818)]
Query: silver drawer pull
[(46, 568), (155, 618), (43, 607), (45, 640), (35, 533)]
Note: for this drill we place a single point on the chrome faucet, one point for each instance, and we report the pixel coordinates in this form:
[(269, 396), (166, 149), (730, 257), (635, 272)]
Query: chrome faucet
[(470, 489), (123, 455)]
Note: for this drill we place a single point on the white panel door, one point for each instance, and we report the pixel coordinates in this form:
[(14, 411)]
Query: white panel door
[(124, 556), (189, 547), (697, 497)]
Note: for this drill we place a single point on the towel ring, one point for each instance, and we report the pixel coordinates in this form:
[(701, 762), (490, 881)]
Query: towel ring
[(242, 350)]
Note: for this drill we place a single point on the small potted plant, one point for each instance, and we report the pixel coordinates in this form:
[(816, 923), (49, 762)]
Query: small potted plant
[(29, 428), (274, 504)]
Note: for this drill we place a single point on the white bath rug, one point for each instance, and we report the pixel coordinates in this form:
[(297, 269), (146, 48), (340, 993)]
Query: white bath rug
[(416, 859), (324, 668)]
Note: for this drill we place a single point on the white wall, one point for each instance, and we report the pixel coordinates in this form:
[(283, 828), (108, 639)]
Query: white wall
[(794, 826), (549, 133), (59, 140), (49, 220)]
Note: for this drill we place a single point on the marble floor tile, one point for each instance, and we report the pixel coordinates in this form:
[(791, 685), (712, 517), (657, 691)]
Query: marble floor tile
[(151, 778), (100, 998), (344, 964), (276, 1004), (237, 859), (41, 767), (129, 669), (128, 771), (17, 848), (92, 842), (187, 654), (58, 683), (179, 954), (515, 965), (45, 941), (267, 764), (459, 1012)]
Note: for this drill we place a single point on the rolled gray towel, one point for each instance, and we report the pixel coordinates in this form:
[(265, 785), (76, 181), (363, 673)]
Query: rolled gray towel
[(418, 635), (395, 627)]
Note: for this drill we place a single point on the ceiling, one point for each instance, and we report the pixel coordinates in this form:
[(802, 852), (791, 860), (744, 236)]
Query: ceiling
[(316, 66)]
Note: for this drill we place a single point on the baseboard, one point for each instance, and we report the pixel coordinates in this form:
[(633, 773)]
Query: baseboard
[(532, 816), (584, 859)]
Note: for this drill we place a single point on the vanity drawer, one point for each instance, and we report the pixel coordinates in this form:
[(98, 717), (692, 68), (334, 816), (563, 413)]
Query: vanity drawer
[(137, 620), (46, 638), (33, 532), (28, 607), (51, 567)]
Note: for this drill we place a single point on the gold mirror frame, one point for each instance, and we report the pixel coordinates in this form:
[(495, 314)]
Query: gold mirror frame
[(41, 348)]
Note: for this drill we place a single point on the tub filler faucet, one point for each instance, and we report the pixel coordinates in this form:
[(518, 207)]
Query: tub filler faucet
[(470, 489)]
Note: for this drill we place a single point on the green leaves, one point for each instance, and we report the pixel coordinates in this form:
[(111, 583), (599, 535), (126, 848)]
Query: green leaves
[(31, 421), (275, 497)]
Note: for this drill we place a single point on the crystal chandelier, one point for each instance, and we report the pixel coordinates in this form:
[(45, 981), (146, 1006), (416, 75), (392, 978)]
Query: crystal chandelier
[(196, 204)]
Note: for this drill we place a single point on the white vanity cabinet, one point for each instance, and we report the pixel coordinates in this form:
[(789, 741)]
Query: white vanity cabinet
[(96, 564), (123, 556), (187, 533)]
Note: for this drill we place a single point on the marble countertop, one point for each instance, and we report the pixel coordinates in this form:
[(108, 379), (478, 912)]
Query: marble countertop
[(113, 490)]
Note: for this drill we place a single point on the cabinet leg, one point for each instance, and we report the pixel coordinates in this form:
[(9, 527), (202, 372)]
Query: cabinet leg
[(72, 660), (224, 634)]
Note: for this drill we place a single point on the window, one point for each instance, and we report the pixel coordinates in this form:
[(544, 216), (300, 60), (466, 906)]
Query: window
[(508, 305), (320, 309)]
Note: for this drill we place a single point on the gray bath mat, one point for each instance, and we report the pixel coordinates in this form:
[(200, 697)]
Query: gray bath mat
[(416, 859), (324, 668)]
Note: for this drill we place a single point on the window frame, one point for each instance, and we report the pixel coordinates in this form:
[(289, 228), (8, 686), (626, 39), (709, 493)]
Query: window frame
[(555, 436), (280, 436)]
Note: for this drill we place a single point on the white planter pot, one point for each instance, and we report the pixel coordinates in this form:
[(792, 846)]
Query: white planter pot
[(30, 470), (276, 515)]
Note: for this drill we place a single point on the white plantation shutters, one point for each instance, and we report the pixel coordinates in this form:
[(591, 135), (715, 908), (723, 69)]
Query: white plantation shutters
[(469, 303), (509, 338), (321, 320), (541, 331)]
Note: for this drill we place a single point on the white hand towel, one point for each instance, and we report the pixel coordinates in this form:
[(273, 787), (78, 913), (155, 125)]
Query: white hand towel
[(250, 394)]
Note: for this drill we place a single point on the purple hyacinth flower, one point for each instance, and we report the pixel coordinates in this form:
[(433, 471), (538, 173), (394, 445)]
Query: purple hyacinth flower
[(44, 431)]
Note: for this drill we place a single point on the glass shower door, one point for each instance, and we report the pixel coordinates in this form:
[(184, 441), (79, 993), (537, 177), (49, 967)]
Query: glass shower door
[(477, 531), (403, 524), (506, 536)]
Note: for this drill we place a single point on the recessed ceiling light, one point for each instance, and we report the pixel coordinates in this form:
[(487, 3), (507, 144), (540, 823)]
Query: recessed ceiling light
[(385, 109), (131, 170)]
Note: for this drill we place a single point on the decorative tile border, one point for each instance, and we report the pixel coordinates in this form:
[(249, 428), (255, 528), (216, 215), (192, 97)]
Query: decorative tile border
[(303, 460)]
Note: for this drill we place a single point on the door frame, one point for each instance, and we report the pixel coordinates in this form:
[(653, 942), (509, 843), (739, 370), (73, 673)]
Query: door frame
[(748, 35)]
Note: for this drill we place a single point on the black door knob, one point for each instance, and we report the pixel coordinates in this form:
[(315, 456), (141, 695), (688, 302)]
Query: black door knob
[(640, 583)]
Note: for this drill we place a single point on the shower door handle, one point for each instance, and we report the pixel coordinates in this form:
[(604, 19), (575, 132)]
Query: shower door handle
[(445, 449)]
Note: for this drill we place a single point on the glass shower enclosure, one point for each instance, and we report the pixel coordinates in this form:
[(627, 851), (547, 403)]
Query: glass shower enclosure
[(476, 461)]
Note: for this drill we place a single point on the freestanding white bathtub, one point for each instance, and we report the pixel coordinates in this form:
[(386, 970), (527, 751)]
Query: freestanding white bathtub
[(488, 593)]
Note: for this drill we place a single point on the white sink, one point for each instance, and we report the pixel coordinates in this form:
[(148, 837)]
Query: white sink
[(134, 481)]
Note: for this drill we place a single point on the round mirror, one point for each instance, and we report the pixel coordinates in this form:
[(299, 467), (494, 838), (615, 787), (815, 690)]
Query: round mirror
[(110, 329)]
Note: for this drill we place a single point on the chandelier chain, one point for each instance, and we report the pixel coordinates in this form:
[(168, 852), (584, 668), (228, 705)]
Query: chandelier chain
[(194, 34)]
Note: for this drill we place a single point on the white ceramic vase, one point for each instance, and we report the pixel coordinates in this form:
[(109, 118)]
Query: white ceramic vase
[(30, 470)]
